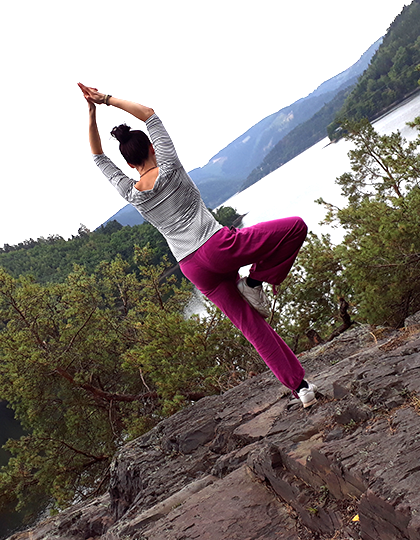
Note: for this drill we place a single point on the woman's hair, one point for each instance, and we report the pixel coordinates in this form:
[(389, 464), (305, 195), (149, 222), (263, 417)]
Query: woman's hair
[(134, 144)]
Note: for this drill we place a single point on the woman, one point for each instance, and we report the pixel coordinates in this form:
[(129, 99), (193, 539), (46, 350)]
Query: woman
[(209, 255)]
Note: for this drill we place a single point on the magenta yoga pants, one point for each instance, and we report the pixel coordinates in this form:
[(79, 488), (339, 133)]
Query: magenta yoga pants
[(271, 247)]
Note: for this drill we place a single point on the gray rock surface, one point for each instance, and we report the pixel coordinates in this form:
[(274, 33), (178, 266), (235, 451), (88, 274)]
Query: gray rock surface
[(252, 464)]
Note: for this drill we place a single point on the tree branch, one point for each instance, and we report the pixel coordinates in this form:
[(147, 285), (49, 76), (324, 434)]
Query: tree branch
[(73, 449), (102, 394)]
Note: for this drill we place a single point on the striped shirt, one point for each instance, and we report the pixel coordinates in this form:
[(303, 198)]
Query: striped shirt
[(174, 205)]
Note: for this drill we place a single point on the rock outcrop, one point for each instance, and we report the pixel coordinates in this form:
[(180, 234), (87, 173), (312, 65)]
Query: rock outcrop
[(252, 464)]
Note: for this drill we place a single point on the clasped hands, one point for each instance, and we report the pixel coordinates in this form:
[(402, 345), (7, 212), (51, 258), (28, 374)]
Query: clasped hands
[(92, 95)]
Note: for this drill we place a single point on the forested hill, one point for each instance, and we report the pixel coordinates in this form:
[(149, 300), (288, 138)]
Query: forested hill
[(393, 73), (52, 259), (299, 139), (391, 76)]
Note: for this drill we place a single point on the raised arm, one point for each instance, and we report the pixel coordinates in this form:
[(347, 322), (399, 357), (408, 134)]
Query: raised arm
[(94, 138), (139, 111)]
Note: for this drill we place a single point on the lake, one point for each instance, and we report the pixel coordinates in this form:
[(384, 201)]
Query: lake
[(9, 429), (292, 189)]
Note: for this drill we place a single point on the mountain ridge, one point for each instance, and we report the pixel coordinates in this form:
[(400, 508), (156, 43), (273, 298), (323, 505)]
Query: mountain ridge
[(274, 127), (226, 171)]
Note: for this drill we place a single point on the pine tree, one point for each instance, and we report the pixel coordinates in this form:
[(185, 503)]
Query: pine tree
[(96, 360)]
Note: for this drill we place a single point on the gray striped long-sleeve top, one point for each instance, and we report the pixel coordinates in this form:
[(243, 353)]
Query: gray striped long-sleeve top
[(174, 205)]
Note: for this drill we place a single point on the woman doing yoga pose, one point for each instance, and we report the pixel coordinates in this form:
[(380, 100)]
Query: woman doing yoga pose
[(209, 255)]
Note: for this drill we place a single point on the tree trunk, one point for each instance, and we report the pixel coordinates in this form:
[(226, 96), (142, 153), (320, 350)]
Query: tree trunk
[(347, 322)]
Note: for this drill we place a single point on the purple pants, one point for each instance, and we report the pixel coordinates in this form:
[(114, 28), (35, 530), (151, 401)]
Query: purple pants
[(271, 247)]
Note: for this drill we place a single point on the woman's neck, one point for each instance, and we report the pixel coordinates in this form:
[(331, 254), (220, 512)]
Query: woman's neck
[(147, 166), (149, 171)]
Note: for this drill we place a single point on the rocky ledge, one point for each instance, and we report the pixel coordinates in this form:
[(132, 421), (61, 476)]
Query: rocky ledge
[(252, 464)]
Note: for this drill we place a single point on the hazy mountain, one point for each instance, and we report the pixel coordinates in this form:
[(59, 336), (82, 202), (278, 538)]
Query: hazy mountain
[(127, 216), (232, 165), (226, 172), (302, 137)]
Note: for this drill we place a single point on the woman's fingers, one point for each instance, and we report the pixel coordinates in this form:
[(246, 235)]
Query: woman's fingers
[(82, 87), (91, 93), (84, 90)]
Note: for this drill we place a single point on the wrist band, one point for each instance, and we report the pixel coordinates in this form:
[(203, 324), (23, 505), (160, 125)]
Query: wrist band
[(106, 98)]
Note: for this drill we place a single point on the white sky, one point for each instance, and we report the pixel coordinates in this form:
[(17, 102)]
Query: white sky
[(210, 70)]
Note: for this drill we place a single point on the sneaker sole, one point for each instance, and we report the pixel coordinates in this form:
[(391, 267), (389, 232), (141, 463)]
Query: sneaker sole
[(305, 405), (265, 315)]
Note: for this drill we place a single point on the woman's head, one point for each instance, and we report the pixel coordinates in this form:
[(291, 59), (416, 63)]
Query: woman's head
[(134, 144)]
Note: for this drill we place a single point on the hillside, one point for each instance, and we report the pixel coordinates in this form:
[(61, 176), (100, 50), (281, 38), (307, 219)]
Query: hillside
[(240, 157), (253, 464), (299, 139), (52, 259), (392, 74), (389, 79)]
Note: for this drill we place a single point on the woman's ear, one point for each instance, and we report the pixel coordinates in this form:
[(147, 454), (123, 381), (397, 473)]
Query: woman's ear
[(151, 150), (132, 166)]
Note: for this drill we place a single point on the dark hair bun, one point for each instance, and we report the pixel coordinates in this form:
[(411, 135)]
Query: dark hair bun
[(122, 133)]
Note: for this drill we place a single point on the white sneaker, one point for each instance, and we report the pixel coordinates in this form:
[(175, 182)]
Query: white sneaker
[(255, 297), (307, 395)]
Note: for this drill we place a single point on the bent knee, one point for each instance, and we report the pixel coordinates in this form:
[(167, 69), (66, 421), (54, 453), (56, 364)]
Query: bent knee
[(301, 227)]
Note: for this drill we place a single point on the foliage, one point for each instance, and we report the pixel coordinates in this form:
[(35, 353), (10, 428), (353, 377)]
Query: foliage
[(307, 299), (381, 248), (392, 74), (51, 259), (91, 362), (376, 268), (226, 215)]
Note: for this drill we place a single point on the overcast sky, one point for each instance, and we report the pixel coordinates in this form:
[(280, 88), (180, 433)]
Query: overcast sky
[(210, 70)]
